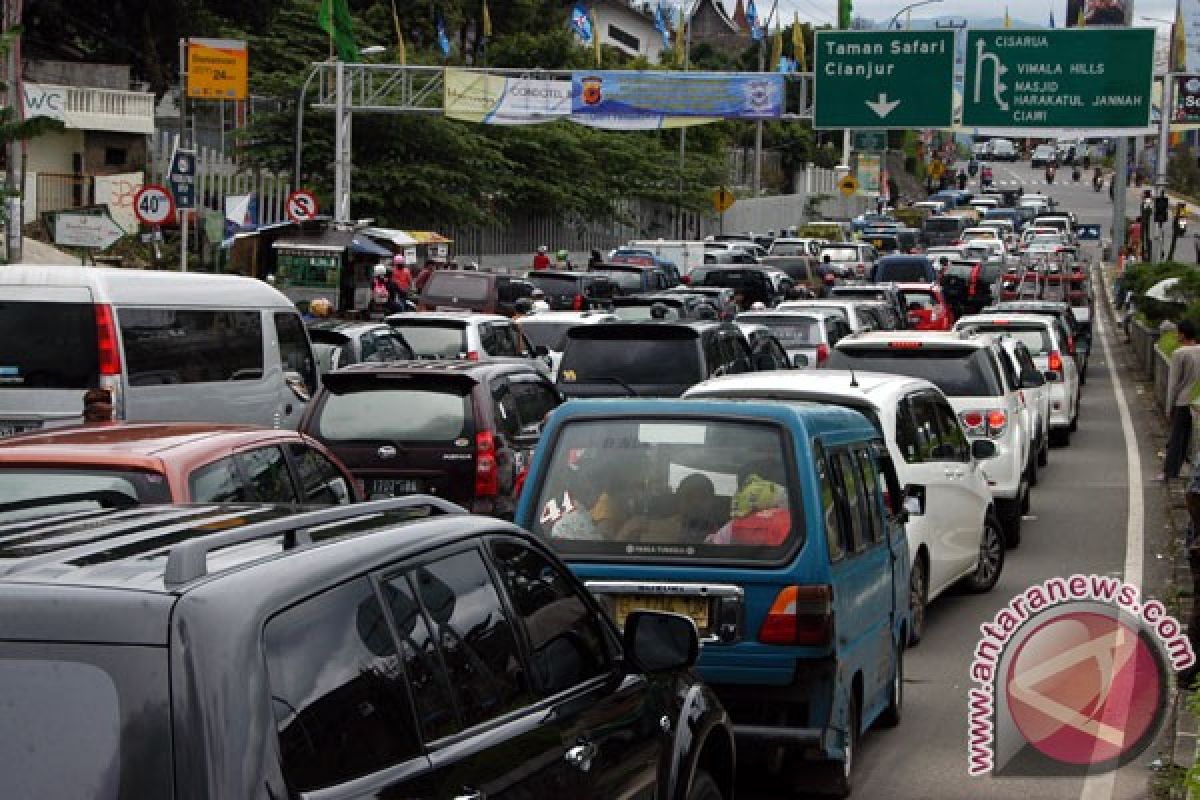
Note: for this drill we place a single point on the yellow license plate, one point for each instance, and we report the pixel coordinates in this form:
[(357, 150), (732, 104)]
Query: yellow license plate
[(694, 607)]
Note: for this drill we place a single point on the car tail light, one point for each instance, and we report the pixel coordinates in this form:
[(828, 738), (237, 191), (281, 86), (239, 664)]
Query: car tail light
[(577, 303), (487, 475), (686, 279), (822, 353), (109, 355), (800, 615), (1070, 345), (973, 422), (904, 345), (1054, 363), (997, 421), (473, 355)]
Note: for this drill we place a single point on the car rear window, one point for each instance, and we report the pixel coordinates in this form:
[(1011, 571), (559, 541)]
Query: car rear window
[(554, 284), (625, 280), (840, 253), (943, 224), (460, 285), (958, 372), (635, 361), (551, 335), (789, 250), (62, 355), (661, 489), (78, 720), (1037, 339), (792, 330), (429, 340), (642, 312), (916, 299), (32, 491), (415, 414), (907, 270)]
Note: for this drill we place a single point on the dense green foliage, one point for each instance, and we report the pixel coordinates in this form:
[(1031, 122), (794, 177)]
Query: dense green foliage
[(424, 170)]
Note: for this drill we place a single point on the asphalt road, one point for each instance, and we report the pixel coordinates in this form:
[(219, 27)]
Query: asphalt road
[(1077, 524)]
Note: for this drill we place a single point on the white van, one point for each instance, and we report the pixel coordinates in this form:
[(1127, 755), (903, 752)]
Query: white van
[(685, 255), (1002, 150), (169, 346)]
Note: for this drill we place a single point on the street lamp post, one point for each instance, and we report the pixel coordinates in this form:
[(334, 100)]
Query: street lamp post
[(909, 7)]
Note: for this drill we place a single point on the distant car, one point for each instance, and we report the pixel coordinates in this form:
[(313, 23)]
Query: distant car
[(338, 343), (807, 337), (572, 291), (854, 311), (886, 293), (633, 278), (927, 308), (1043, 154), (456, 429), (765, 350), (81, 468), (752, 284), (853, 260), (466, 335), (720, 296), (672, 305), (472, 290), (907, 268), (795, 247)]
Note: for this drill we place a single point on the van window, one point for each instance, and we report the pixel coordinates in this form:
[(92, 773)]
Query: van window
[(294, 352), (404, 415), (690, 490), (850, 487), (267, 474), (958, 372), (166, 346), (834, 535), (635, 361), (443, 340), (458, 285), (62, 355), (944, 224)]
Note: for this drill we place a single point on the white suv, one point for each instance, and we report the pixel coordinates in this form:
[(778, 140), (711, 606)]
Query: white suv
[(954, 533), (981, 385), (1051, 355), (468, 335)]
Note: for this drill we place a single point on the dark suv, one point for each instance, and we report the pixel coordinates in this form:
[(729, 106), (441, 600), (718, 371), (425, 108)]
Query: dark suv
[(392, 649), (573, 291), (649, 359), (459, 429)]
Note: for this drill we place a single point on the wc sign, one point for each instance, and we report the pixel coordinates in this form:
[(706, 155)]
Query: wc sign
[(45, 101)]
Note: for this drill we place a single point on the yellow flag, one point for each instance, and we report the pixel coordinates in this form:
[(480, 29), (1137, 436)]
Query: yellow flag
[(798, 43), (487, 21), (1007, 18), (1080, 22), (908, 20), (776, 49), (401, 54), (595, 35), (680, 40), (1179, 45)]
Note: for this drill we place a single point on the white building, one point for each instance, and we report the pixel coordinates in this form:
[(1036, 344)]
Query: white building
[(629, 27)]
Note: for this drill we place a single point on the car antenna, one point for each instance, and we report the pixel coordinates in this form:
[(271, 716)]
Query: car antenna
[(853, 379)]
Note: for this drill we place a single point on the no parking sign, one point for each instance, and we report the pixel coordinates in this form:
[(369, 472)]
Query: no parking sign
[(301, 205)]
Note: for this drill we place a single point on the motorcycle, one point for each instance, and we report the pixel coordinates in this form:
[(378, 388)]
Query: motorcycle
[(1050, 175), (1076, 175), (972, 169)]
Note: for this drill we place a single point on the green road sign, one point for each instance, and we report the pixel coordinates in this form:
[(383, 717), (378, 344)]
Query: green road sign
[(1092, 78), (891, 79), (870, 141)]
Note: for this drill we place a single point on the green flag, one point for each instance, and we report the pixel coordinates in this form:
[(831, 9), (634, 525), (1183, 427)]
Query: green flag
[(334, 19)]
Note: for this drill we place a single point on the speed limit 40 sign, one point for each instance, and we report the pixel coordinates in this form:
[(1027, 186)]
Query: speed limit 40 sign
[(153, 205)]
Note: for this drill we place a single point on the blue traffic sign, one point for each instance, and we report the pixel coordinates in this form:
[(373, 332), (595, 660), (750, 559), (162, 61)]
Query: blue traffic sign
[(1087, 232), (182, 178)]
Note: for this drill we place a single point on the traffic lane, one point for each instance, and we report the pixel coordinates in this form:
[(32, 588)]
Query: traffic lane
[(1077, 524)]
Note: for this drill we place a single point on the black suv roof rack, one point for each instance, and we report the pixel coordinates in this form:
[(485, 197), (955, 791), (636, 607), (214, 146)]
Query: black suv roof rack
[(188, 561)]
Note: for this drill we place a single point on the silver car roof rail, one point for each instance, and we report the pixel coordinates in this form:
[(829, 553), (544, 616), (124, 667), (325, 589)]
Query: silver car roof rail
[(188, 560)]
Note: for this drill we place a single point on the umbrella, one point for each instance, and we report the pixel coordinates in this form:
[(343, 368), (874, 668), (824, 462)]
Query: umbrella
[(1162, 289)]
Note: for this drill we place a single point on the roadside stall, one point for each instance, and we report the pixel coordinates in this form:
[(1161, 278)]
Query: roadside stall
[(417, 247), (333, 264)]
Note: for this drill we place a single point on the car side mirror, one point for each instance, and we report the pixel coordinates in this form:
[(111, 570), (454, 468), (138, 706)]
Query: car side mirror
[(1033, 380), (661, 642), (1052, 376), (295, 382), (914, 499), (764, 361), (800, 361), (541, 350), (983, 449)]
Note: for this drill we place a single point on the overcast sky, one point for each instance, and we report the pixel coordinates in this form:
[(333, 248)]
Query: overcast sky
[(1033, 11)]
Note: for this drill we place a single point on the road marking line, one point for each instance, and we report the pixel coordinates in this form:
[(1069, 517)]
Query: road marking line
[(1103, 786)]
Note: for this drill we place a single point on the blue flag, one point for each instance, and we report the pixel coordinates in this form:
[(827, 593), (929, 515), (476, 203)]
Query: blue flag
[(581, 23), (756, 31), (1052, 18), (443, 40), (660, 23)]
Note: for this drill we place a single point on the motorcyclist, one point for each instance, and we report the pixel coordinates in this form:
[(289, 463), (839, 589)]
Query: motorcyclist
[(972, 167), (1050, 170), (962, 180), (985, 177)]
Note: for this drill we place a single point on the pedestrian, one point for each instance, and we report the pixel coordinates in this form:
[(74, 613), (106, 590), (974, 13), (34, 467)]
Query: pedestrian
[(424, 275), (1182, 375), (595, 260), (1135, 238), (542, 259), (402, 281), (97, 406), (381, 292)]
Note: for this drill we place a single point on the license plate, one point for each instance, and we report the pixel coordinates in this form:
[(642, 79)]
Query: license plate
[(394, 488), (694, 607), (10, 427)]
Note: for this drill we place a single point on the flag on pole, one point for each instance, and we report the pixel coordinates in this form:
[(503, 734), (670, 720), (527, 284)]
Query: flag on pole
[(595, 35), (660, 24), (776, 48), (798, 54), (908, 20), (1080, 20), (401, 53), (1007, 18), (581, 23), (681, 40), (1052, 18), (442, 40), (487, 21), (334, 19), (756, 31)]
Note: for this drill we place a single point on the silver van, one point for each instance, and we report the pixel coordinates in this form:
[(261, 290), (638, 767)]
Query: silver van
[(168, 346)]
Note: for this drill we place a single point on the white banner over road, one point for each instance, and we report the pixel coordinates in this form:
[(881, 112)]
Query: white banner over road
[(497, 100)]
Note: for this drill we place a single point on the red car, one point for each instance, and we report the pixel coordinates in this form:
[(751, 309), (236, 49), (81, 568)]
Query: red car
[(123, 464), (927, 308)]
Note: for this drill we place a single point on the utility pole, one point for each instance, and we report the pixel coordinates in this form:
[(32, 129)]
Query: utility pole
[(1164, 151), (687, 46), (341, 177), (13, 171), (183, 220)]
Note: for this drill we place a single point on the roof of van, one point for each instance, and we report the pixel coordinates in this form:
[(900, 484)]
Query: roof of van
[(814, 418), (829, 385), (145, 287)]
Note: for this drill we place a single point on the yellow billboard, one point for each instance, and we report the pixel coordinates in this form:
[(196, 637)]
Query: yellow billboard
[(217, 69)]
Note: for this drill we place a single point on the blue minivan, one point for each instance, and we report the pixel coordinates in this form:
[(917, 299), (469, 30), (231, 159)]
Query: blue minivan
[(779, 529)]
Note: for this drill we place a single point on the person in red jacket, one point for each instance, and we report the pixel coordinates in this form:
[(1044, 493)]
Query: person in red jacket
[(542, 259)]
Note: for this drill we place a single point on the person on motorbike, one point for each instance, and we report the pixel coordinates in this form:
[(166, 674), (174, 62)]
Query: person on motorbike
[(972, 167), (985, 177), (1050, 170), (961, 178)]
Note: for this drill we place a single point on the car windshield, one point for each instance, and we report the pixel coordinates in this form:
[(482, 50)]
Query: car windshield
[(396, 415), (632, 360), (447, 340), (546, 333), (30, 491), (918, 299), (957, 371), (791, 330), (661, 489)]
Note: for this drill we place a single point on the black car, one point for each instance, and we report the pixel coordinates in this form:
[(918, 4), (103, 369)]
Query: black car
[(649, 359), (970, 286), (573, 291), (399, 648), (750, 284), (338, 343), (633, 278), (458, 429)]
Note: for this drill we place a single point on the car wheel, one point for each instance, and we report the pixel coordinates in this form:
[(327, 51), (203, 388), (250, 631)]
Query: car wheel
[(991, 556), (918, 600), (1043, 456), (1060, 437), (704, 787), (1032, 470), (1012, 526), (1075, 417), (890, 717), (1026, 499)]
